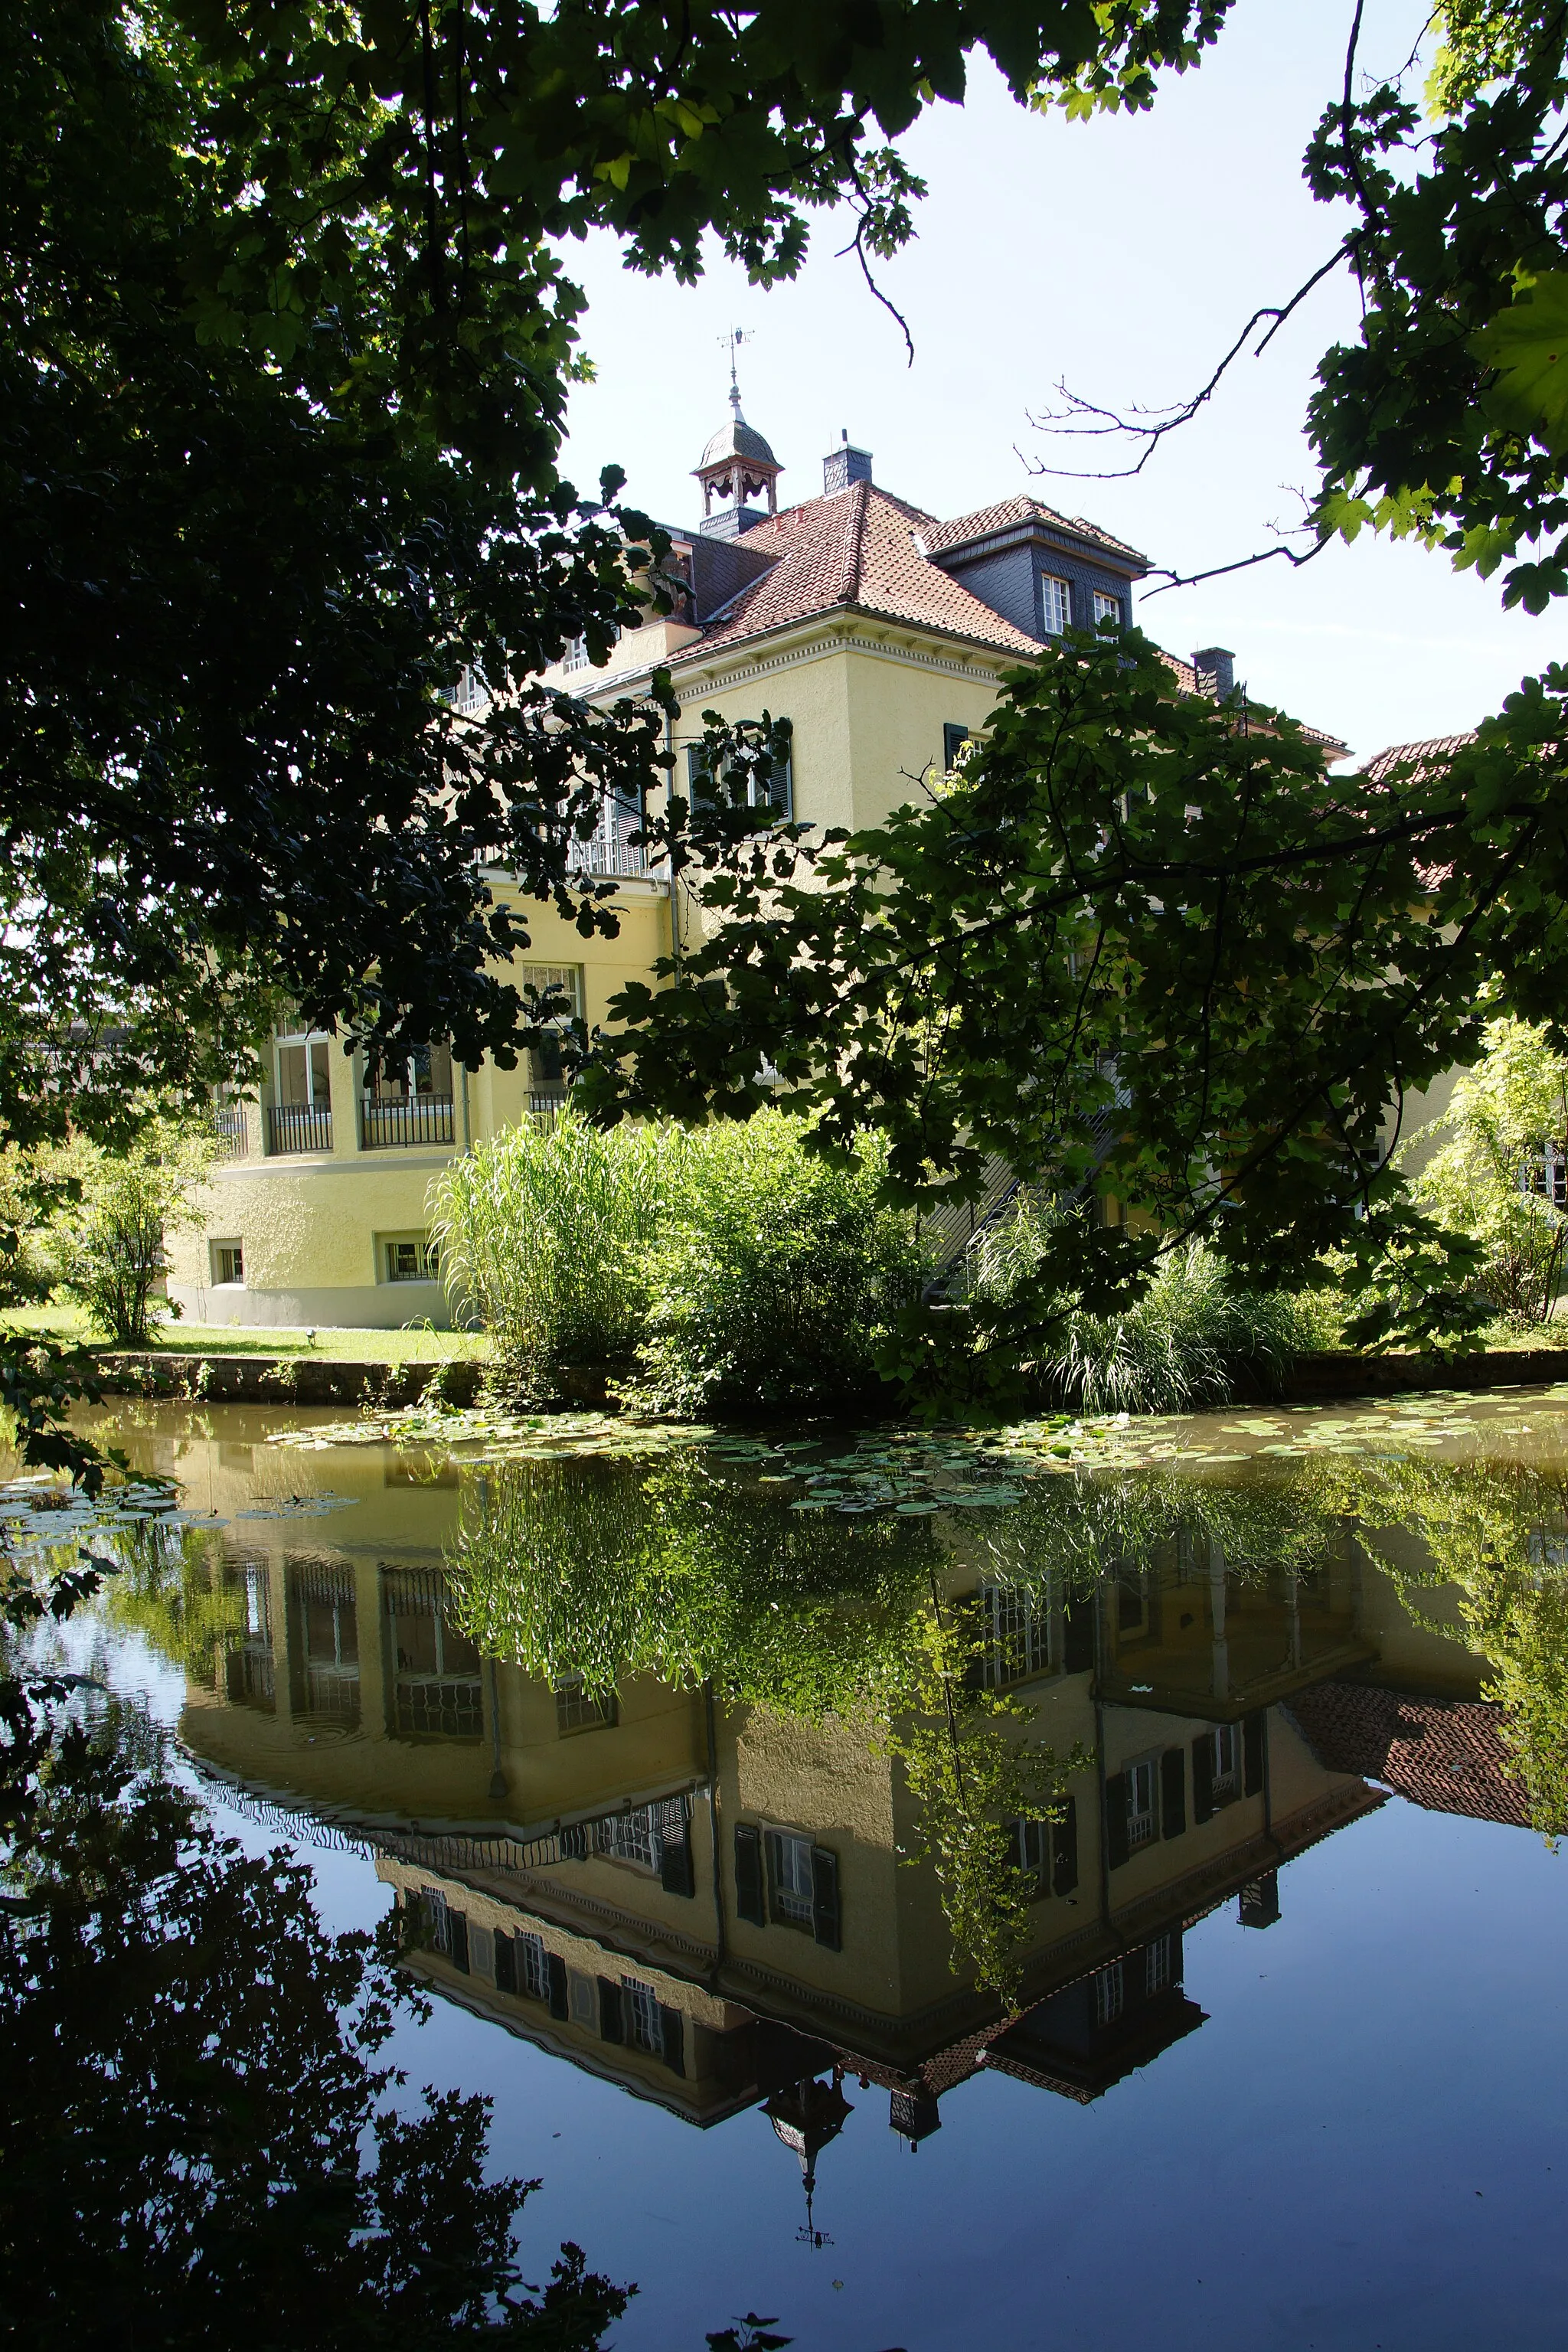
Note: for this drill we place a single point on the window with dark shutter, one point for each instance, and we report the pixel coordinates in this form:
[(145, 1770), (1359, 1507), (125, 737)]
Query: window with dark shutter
[(556, 1968), (1202, 1777), (749, 1903), (672, 2025), (612, 2025), (1255, 1741), (1116, 1819), (953, 739), (458, 1929), (506, 1963), (1174, 1792), (1064, 1849), (826, 1924), (675, 1871), (574, 1842)]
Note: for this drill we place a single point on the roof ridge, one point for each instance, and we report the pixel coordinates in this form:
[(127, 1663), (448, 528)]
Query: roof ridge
[(854, 564)]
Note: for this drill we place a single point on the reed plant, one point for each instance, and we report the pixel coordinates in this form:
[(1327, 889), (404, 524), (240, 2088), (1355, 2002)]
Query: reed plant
[(1192, 1339), (544, 1232)]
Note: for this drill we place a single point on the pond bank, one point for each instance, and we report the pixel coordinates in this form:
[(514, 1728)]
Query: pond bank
[(302, 1380)]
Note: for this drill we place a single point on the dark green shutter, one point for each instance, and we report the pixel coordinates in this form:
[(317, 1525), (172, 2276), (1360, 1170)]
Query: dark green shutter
[(825, 1920), (672, 2025), (749, 1902), (1116, 1819), (611, 2024), (458, 1929), (675, 1872), (1202, 1777), (506, 1962), (1077, 1637), (1064, 1849), (1174, 1792), (1254, 1739), (556, 1970)]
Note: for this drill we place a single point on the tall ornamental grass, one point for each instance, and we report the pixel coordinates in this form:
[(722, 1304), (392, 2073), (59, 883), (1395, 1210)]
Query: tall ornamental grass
[(543, 1231), (1190, 1341)]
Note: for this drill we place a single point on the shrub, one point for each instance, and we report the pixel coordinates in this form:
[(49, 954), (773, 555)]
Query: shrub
[(775, 1277), (1490, 1177), (543, 1231), (107, 1247)]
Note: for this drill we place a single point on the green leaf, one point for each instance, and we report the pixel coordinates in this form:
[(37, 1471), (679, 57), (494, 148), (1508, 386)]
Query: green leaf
[(1527, 346)]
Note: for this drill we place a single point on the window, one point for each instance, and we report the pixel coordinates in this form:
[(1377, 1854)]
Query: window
[(576, 655), (1547, 1175), (1032, 1850), (533, 1967), (1226, 1763), (1143, 1801), (469, 693), (630, 1837), (578, 1708), (409, 1258), (1016, 1633), (1107, 608), (790, 1881), (1131, 1603), (1056, 605), (953, 739), (1110, 1992), (768, 785), (1157, 1972), (302, 1079), (228, 1264), (640, 2013), (300, 1116)]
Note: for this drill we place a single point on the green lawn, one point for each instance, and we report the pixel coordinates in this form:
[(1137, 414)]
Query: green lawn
[(340, 1347)]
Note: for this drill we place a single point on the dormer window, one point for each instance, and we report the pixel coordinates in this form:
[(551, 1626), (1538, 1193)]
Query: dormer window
[(1056, 605), (1108, 608)]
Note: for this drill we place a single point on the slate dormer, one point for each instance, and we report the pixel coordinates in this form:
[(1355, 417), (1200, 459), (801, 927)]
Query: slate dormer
[(1037, 569)]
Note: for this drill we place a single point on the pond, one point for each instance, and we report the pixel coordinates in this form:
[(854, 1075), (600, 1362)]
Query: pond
[(1085, 1886)]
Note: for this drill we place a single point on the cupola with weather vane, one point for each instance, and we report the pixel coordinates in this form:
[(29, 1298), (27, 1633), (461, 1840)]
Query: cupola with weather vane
[(737, 466)]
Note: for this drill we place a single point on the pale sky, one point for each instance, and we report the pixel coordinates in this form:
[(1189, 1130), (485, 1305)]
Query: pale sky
[(1121, 255)]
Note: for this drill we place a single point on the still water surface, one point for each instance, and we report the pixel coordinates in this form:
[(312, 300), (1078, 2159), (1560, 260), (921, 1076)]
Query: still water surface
[(1274, 2047)]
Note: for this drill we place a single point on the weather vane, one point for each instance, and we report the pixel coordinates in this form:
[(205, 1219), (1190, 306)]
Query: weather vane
[(731, 343)]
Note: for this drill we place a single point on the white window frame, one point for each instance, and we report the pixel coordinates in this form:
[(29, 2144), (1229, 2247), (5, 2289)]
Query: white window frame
[(1158, 1971), (1142, 1802), (1229, 1778), (1110, 1993), (1018, 1636), (639, 2007), (428, 1256), (1109, 608), (576, 655), (227, 1281), (309, 1039), (533, 1966), (788, 1854), (1056, 605)]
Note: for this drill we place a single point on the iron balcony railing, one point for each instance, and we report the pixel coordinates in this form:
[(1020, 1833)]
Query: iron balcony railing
[(425, 1118), (229, 1127), (545, 1102), (615, 860), (298, 1127)]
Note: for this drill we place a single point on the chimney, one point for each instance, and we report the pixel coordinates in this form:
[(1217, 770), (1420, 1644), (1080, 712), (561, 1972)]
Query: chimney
[(843, 466), (1215, 672)]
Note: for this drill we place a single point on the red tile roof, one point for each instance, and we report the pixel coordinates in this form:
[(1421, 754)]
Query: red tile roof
[(1447, 1755), (1434, 750), (860, 550), (1008, 512), (854, 552)]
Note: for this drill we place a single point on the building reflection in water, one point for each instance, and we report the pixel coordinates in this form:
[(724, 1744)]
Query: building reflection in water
[(708, 1905)]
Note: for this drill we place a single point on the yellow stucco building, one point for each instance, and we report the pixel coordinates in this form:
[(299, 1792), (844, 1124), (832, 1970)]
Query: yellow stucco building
[(877, 630)]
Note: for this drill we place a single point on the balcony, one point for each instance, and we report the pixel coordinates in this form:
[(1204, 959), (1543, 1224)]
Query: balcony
[(419, 1119), (298, 1127), (544, 1103), (229, 1127), (612, 860)]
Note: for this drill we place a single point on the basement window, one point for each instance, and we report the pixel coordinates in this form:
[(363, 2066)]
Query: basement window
[(408, 1257), (228, 1266)]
